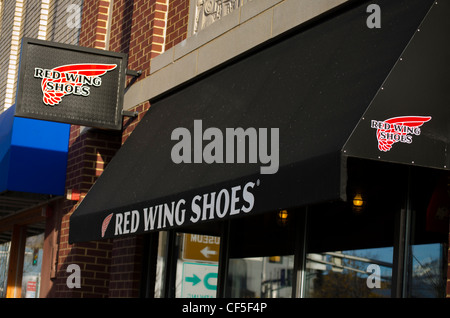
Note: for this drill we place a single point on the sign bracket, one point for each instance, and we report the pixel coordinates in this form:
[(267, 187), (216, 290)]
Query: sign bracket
[(129, 113), (134, 73)]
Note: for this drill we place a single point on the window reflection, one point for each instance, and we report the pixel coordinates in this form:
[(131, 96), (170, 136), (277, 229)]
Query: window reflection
[(427, 271), (261, 277), (349, 274)]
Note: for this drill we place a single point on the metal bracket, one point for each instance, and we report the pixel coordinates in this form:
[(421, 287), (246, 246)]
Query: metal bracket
[(134, 73), (129, 113)]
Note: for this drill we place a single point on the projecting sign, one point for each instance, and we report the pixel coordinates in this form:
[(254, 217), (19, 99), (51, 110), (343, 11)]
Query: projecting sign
[(71, 84)]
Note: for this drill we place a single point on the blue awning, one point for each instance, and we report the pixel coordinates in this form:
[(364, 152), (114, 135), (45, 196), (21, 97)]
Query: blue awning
[(33, 155)]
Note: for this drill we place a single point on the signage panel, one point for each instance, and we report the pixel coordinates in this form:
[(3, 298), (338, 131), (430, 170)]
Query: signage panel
[(201, 247), (71, 84), (199, 280)]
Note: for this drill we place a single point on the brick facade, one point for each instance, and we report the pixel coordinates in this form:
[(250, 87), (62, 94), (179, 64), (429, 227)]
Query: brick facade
[(111, 268), (89, 153), (139, 29), (177, 22), (94, 25), (143, 29)]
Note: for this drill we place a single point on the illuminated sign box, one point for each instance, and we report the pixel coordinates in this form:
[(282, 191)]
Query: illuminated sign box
[(71, 84)]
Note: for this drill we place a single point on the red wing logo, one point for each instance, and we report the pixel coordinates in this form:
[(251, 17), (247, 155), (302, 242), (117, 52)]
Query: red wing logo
[(397, 129), (70, 79), (106, 223)]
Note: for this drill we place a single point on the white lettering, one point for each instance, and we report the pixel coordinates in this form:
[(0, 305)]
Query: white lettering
[(208, 206), (234, 200), (126, 222), (179, 214), (168, 214), (248, 197), (134, 221), (226, 203), (149, 218), (119, 220)]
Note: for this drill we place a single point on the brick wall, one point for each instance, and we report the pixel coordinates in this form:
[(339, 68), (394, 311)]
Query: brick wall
[(145, 29), (112, 268), (126, 267), (95, 20), (177, 22), (138, 28), (129, 124), (141, 29), (89, 153)]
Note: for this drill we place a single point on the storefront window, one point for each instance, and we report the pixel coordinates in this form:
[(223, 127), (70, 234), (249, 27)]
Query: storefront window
[(350, 254), (32, 264), (261, 277), (426, 256), (261, 262), (427, 279), (197, 266), (4, 261), (161, 265), (354, 273), (395, 244)]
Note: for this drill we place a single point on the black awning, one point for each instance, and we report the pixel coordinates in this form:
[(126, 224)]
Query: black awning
[(313, 85), (408, 120)]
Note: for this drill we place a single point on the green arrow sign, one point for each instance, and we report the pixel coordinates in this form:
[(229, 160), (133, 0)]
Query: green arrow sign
[(206, 281), (194, 280)]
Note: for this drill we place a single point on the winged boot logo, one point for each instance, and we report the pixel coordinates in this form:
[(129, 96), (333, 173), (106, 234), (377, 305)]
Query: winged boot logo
[(398, 129), (105, 223), (70, 79)]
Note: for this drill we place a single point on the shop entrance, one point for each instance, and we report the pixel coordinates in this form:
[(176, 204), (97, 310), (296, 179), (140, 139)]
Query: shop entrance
[(389, 239), (257, 261)]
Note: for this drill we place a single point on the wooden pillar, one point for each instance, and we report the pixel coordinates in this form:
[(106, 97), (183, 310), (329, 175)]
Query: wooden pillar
[(16, 256)]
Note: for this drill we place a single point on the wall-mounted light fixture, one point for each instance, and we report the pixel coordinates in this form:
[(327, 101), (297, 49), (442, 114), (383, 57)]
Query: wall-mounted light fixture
[(282, 218), (358, 203)]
